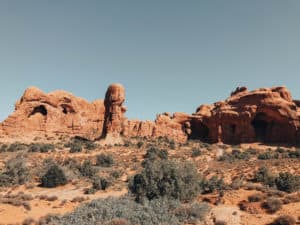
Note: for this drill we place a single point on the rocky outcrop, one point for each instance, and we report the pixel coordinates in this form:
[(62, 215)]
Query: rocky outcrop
[(114, 110), (266, 114), (58, 112)]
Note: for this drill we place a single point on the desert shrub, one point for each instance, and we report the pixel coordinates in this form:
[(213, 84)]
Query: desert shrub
[(15, 172), (140, 144), (256, 197), (237, 183), (284, 220), (89, 191), (101, 211), (14, 147), (172, 144), (101, 183), (54, 177), (3, 148), (268, 155), (75, 147), (272, 204), (251, 151), (211, 185), (196, 152), (263, 175), (164, 178), (77, 144), (117, 222), (104, 160), (28, 221), (287, 182), (235, 155), (87, 169), (40, 147), (220, 222), (192, 213), (292, 198), (294, 154), (116, 174), (156, 153)]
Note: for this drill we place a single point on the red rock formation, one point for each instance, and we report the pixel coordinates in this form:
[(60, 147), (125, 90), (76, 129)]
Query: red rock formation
[(266, 114), (114, 110), (59, 112)]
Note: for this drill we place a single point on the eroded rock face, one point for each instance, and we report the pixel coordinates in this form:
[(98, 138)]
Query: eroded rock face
[(58, 112), (266, 115), (114, 110)]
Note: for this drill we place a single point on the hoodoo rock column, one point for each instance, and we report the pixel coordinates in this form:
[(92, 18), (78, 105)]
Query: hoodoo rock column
[(114, 111)]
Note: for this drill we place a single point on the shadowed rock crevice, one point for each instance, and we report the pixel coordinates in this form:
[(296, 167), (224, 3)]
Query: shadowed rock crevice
[(39, 109)]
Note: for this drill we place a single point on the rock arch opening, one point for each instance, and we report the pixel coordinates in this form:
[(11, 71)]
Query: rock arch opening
[(39, 109), (199, 131), (261, 126)]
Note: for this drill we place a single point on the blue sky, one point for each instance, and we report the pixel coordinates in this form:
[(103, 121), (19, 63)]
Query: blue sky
[(170, 55)]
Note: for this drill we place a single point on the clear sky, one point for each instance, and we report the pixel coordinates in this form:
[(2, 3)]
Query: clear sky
[(170, 55)]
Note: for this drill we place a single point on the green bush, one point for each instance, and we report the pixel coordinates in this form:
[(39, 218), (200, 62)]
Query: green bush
[(100, 183), (75, 146), (14, 147), (287, 182), (284, 220), (294, 154), (211, 185), (15, 172), (87, 169), (155, 212), (40, 147), (256, 197), (272, 205), (164, 178), (54, 177), (268, 155), (235, 155), (104, 160), (196, 152), (263, 175)]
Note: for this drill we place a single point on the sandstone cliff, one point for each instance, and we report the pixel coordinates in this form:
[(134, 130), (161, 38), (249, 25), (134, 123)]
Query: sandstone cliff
[(266, 115)]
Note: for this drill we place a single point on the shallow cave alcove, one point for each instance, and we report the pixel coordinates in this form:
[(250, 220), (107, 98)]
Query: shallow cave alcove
[(261, 125), (199, 131), (39, 109)]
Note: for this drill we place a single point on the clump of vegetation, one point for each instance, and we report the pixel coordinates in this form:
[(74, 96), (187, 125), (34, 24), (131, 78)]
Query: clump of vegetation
[(17, 146), (196, 152), (272, 204), (294, 154), (211, 185), (87, 169), (77, 144), (284, 220), (54, 177), (288, 182), (263, 175), (101, 183), (256, 197), (40, 147), (19, 199), (104, 160), (164, 178), (15, 172), (268, 155), (156, 153), (235, 155), (192, 213), (157, 211)]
